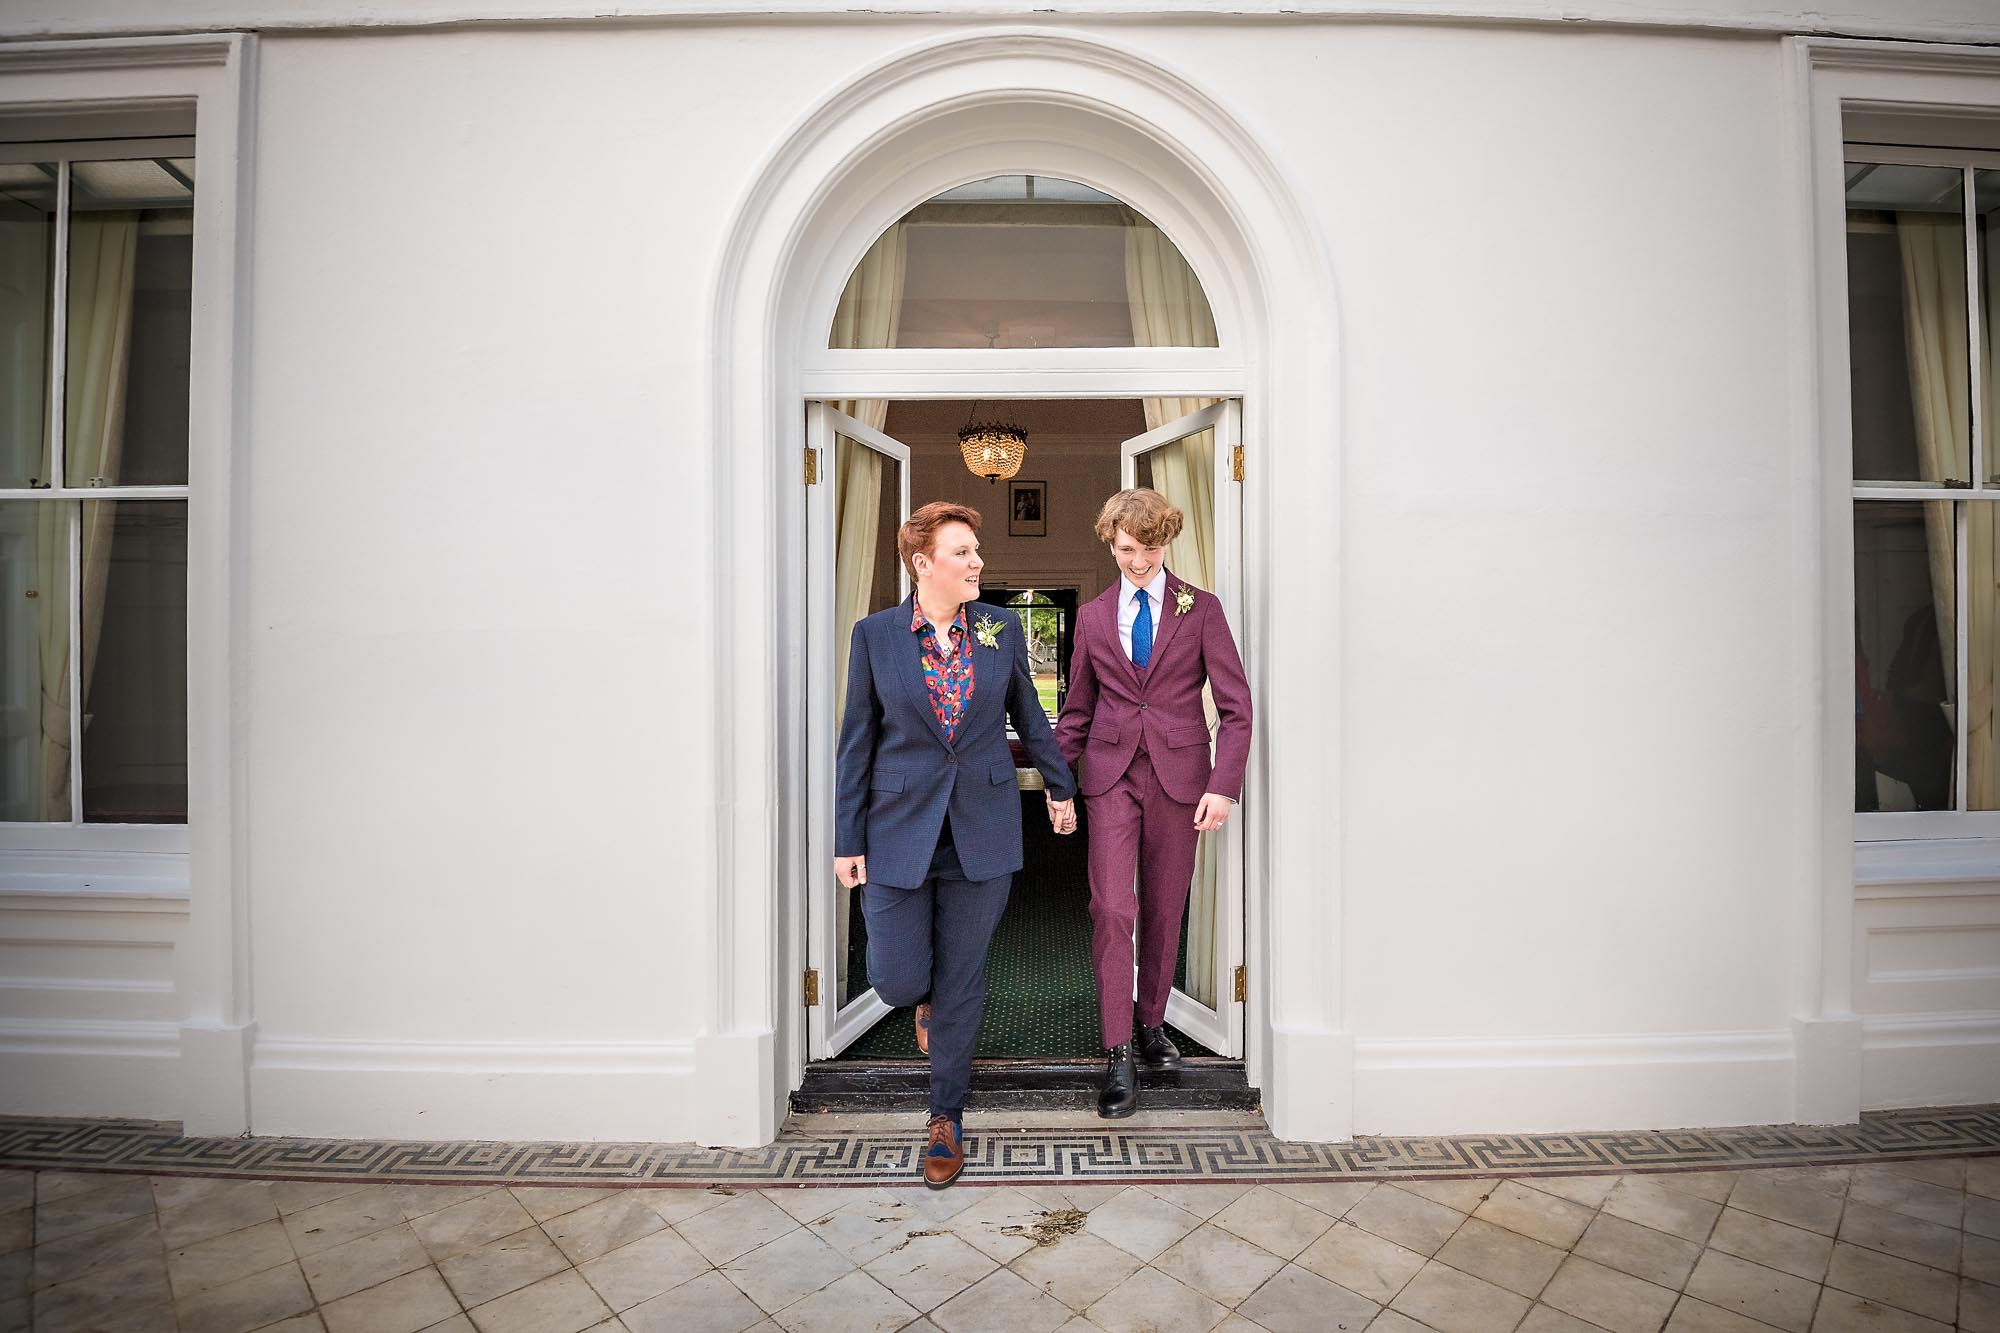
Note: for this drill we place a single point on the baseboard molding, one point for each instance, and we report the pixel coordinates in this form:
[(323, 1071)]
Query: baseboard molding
[(74, 1068), (1544, 1085), (1930, 1060), (582, 1091)]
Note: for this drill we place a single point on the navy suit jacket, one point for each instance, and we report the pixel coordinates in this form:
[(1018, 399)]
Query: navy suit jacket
[(897, 776)]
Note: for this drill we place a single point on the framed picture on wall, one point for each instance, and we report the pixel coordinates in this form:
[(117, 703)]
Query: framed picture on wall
[(1027, 509)]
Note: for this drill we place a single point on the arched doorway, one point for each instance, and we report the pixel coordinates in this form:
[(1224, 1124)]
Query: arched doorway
[(926, 121)]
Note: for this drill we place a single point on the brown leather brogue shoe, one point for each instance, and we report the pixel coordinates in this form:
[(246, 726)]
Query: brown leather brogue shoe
[(944, 1152), (924, 1028)]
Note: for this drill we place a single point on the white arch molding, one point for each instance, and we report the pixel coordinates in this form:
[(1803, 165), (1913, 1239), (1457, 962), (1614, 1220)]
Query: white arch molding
[(1021, 101)]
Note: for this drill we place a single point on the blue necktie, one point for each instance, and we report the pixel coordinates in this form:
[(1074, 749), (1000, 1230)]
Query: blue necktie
[(1142, 632)]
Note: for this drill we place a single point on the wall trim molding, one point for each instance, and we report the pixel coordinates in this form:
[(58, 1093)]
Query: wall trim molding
[(666, 1057)]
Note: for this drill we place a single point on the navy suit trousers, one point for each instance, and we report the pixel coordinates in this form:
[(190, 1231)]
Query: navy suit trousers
[(930, 943)]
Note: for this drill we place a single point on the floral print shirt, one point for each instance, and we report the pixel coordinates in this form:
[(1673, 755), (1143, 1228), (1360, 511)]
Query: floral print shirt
[(947, 674)]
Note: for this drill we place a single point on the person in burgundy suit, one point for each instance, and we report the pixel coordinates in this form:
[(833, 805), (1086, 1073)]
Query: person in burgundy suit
[(1134, 729)]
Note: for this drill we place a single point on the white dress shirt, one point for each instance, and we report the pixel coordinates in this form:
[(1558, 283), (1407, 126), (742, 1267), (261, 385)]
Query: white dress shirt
[(1128, 606)]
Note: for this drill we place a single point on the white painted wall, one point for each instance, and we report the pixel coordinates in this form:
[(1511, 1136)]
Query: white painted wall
[(477, 772)]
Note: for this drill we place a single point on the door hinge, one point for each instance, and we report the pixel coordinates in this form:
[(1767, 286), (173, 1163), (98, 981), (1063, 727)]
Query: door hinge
[(812, 987), (1236, 463), (812, 466), (1242, 984)]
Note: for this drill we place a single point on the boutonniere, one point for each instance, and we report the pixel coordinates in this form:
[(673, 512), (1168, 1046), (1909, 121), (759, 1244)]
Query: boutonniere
[(987, 630), (1183, 600)]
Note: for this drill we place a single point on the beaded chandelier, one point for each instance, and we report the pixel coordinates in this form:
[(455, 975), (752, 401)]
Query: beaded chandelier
[(993, 449)]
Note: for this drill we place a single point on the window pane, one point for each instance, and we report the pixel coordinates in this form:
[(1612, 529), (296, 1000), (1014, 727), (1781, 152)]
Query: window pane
[(27, 248), (1905, 650), (1986, 207), (1982, 754), (1023, 261), (34, 660), (134, 563), (1906, 313), (131, 264)]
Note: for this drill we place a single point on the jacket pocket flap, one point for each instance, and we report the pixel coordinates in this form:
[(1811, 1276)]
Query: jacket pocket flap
[(1003, 773), (881, 781), (1103, 735), (1179, 737)]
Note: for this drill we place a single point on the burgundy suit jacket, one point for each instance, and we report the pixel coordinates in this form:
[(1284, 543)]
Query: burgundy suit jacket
[(1113, 704)]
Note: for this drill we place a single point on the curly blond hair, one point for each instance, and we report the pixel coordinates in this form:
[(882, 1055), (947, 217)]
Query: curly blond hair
[(1142, 512)]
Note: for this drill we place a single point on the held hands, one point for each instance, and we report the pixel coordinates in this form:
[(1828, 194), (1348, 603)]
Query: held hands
[(851, 871), (1213, 812), (1062, 815)]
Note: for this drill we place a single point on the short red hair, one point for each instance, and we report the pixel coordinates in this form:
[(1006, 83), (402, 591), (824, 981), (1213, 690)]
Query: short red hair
[(919, 530)]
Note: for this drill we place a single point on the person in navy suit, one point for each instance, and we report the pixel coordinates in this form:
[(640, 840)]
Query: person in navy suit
[(927, 815)]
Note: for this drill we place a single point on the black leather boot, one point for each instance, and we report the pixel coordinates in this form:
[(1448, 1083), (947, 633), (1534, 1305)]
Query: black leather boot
[(1157, 1050), (1119, 1097)]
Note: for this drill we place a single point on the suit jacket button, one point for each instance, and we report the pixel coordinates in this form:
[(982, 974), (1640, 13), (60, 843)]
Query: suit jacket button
[(1142, 708), (951, 758)]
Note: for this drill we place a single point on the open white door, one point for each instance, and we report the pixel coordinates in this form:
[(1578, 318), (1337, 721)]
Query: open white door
[(859, 498), (1191, 461)]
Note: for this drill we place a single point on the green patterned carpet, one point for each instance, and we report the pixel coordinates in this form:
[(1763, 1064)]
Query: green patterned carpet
[(1041, 1000)]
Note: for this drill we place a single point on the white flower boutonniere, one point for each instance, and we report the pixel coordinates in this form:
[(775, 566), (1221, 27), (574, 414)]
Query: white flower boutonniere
[(987, 630), (1183, 600)]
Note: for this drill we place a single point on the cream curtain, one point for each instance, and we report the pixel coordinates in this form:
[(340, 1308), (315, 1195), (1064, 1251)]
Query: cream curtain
[(867, 316), (1983, 562), (1170, 310), (103, 254), (1933, 256)]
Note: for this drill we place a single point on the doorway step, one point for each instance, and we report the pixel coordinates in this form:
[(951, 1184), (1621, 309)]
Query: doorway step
[(1201, 1084)]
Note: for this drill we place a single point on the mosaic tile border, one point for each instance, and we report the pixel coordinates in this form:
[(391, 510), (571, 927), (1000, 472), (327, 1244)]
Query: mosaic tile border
[(1013, 1156)]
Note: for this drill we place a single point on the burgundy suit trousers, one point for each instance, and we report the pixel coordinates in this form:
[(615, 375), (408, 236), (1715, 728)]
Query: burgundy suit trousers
[(1143, 839)]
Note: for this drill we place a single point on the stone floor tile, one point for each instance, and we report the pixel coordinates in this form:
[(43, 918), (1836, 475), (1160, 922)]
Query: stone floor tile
[(1281, 1225), (1298, 1301), (1979, 1257), (362, 1263), (1791, 1202), (560, 1304), (1884, 1188), (1982, 1176), (106, 1298), (458, 1323), (1219, 1264), (1455, 1302), (1001, 1302), (601, 1227), (866, 1229), (735, 1226), (53, 1185), (1142, 1225), (463, 1227), (501, 1266), (1204, 1201), (1841, 1312), (811, 1204), (123, 1199), (1715, 1186), (643, 1269), (15, 1270), (1827, 1179), (71, 1257), (1362, 1261), (400, 1305), (1900, 1235), (1235, 1323), (927, 1271), (677, 1205), (1663, 1260), (1982, 1216), (1464, 1195), (856, 1303), (997, 1225), (938, 1205), (1332, 1197), (324, 1226), (1978, 1307), (17, 1190), (1539, 1216), (1646, 1201), (1608, 1298), (1693, 1316), (1077, 1270), (1413, 1222), (17, 1229), (782, 1271), (706, 1304), (1586, 1190), (1152, 1302), (1751, 1289), (1505, 1258), (1545, 1319), (17, 1316), (309, 1322), (1773, 1244), (1946, 1171), (1892, 1281), (171, 1192), (243, 1203), (224, 1259), (423, 1200), (1083, 1198), (249, 1302), (1389, 1321), (295, 1196)]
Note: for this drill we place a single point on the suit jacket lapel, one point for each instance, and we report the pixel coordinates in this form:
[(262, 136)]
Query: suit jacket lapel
[(990, 668), (909, 650), (1109, 599)]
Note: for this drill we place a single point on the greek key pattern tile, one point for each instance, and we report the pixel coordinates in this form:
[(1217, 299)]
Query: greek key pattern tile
[(1017, 1156)]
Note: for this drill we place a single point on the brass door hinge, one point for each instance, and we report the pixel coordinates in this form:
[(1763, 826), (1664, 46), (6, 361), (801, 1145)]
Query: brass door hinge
[(1236, 463), (1242, 984), (812, 987), (812, 467)]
